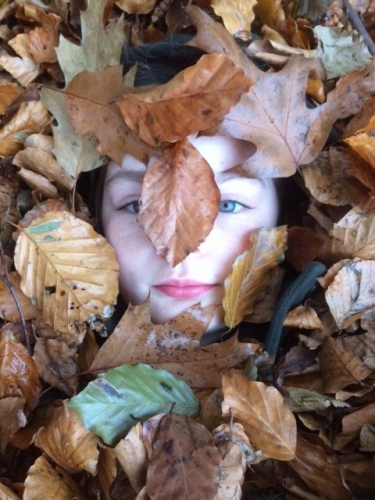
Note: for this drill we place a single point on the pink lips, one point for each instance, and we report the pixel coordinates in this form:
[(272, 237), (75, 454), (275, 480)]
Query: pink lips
[(183, 289)]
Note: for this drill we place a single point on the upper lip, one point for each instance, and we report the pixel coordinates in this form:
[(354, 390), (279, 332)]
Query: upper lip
[(181, 283)]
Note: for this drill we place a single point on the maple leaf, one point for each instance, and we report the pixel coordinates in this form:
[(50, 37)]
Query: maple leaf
[(179, 202)]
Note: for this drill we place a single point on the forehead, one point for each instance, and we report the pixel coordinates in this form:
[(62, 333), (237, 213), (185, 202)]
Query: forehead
[(222, 153)]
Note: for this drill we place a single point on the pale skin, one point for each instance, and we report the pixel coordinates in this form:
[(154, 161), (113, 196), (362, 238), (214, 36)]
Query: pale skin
[(246, 204)]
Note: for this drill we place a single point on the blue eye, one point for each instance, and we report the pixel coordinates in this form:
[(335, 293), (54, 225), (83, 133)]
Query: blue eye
[(230, 206), (132, 207)]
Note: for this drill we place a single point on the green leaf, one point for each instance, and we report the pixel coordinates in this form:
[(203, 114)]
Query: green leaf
[(99, 48), (113, 403)]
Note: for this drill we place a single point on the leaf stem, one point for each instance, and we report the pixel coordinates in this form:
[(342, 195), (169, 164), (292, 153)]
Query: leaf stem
[(357, 23)]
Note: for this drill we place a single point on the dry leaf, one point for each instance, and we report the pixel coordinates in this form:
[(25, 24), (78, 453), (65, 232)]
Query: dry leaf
[(107, 471), (39, 183), (45, 481), (8, 307), (179, 202), (57, 364), (31, 117), (303, 246), (269, 424), (303, 317), (362, 346), (68, 270), (68, 443), (23, 68), (8, 93), (136, 6), (182, 448), (270, 12), (18, 371), (364, 145), (367, 438), (352, 425), (351, 292), (7, 494), (92, 109), (250, 275), (192, 101), (132, 455), (237, 15), (364, 121), (12, 418), (339, 367), (173, 346)]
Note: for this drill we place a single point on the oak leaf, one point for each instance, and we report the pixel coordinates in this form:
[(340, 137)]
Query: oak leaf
[(68, 443), (179, 202), (184, 453), (250, 275), (339, 367), (351, 292), (192, 101), (174, 346), (18, 372), (273, 114), (268, 422), (67, 269)]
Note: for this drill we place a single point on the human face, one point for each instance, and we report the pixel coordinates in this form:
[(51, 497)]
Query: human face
[(246, 204)]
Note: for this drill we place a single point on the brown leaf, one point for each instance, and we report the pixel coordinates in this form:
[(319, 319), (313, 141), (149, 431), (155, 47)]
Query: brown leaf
[(7, 494), (136, 6), (57, 364), (237, 15), (351, 293), (319, 473), (367, 438), (273, 114), (250, 275), (18, 371), (269, 424), (39, 183), (107, 471), (132, 455), (8, 93), (303, 246), (362, 346), (68, 443), (173, 346), (8, 307), (192, 101), (303, 317), (363, 144), (43, 163), (339, 367), (364, 121), (174, 213), (184, 454), (45, 481), (12, 418), (91, 105), (23, 68)]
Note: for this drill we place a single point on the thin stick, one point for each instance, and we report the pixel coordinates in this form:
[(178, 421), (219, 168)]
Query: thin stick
[(357, 23)]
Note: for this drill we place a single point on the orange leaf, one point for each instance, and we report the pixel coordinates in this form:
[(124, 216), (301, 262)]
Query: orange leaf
[(250, 274), (184, 454), (91, 105), (68, 443), (175, 214), (269, 424), (8, 308), (18, 371), (339, 367), (192, 101)]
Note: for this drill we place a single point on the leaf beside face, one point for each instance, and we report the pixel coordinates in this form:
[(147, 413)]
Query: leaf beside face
[(179, 202), (110, 405), (192, 101), (67, 269), (250, 273), (184, 449), (269, 424)]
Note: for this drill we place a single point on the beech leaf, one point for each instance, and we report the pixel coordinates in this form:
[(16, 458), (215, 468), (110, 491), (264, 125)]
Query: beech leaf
[(99, 48), (351, 292), (12, 417), (67, 269), (183, 449), (250, 275), (269, 424), (110, 405), (179, 202), (191, 102)]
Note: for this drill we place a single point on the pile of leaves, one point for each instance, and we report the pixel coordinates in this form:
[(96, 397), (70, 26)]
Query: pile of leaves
[(168, 417)]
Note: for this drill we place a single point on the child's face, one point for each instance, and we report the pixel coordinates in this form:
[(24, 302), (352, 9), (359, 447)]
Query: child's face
[(246, 204)]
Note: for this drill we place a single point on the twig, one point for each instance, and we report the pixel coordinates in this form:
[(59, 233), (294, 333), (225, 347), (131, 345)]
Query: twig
[(5, 279), (357, 23)]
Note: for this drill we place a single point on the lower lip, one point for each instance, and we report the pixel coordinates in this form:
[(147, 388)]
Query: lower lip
[(184, 292)]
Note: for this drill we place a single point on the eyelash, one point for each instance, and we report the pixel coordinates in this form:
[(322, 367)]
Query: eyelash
[(133, 207)]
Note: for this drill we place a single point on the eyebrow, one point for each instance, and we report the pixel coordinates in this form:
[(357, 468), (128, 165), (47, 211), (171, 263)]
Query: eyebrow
[(126, 175), (228, 175)]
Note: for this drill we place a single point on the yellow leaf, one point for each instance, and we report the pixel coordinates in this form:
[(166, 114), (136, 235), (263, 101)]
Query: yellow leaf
[(8, 307), (237, 15), (68, 443), (364, 145), (67, 269), (269, 424), (251, 273)]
